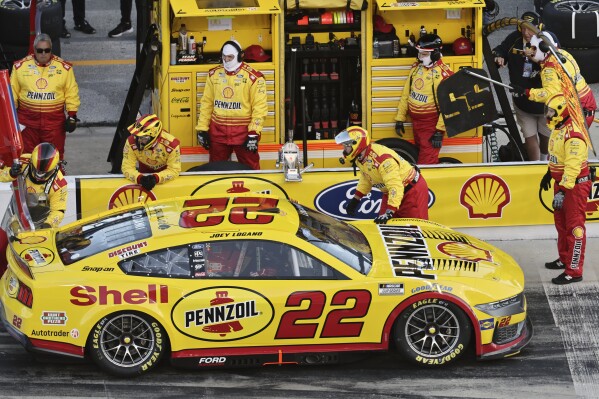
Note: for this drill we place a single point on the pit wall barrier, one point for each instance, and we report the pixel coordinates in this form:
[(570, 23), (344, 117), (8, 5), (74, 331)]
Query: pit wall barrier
[(506, 198)]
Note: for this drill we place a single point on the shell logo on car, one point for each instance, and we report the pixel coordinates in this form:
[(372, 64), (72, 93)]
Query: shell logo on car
[(485, 196), (231, 314)]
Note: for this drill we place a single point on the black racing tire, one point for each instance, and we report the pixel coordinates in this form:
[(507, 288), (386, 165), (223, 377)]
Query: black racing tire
[(220, 166), (432, 332), (14, 21), (112, 339), (405, 149), (586, 58), (578, 30)]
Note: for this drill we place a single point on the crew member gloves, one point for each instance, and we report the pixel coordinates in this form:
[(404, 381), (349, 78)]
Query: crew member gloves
[(352, 206), (518, 91), (70, 124), (15, 170), (251, 142), (546, 181), (437, 139), (204, 139), (558, 200), (399, 129), (384, 218), (148, 181)]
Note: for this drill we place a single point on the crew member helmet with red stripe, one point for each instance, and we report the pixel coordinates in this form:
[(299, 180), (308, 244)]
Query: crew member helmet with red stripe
[(146, 130), (44, 162), (354, 140)]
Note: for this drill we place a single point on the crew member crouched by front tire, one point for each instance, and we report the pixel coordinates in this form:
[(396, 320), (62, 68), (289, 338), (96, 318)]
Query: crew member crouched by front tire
[(405, 192)]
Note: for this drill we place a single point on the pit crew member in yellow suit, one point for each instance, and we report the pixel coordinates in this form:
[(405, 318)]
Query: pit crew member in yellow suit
[(233, 108), (550, 77), (46, 195), (419, 99), (568, 166), (405, 192), (43, 87), (151, 155)]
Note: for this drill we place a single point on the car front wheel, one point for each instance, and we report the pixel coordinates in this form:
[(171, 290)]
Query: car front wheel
[(432, 332), (127, 344)]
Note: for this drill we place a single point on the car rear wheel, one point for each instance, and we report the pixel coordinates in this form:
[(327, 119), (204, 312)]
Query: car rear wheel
[(127, 344), (432, 332)]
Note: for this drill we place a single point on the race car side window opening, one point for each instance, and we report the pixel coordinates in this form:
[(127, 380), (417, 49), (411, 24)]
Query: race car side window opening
[(341, 240), (230, 259), (113, 231)]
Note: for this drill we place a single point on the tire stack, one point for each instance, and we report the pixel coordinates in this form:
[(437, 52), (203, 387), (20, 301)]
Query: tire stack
[(14, 28), (576, 24)]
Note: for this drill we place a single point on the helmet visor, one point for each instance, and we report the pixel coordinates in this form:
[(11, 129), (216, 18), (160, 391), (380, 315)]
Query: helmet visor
[(40, 175)]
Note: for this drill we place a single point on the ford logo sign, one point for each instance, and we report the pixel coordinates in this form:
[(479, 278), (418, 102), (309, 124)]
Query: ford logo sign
[(334, 199)]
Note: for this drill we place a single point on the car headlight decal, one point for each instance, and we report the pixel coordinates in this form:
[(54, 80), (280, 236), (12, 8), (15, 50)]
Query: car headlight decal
[(504, 307)]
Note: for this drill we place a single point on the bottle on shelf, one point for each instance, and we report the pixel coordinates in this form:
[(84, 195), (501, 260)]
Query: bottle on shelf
[(173, 51), (183, 39), (191, 46), (375, 48)]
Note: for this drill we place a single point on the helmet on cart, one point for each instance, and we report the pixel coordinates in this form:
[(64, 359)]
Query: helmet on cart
[(462, 46), (44, 162), (354, 140), (146, 129), (431, 43), (556, 111)]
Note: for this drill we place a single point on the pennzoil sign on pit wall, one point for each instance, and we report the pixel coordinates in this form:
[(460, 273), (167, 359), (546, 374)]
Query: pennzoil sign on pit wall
[(459, 196)]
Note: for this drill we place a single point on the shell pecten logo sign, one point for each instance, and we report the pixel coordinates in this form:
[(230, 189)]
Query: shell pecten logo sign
[(485, 195), (222, 314)]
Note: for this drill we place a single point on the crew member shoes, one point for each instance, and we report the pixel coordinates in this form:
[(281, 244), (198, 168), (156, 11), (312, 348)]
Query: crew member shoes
[(565, 279), (123, 27), (65, 34), (555, 265), (85, 27)]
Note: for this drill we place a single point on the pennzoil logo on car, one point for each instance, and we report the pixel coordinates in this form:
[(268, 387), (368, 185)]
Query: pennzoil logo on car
[(54, 318), (222, 314), (37, 256), (391, 289)]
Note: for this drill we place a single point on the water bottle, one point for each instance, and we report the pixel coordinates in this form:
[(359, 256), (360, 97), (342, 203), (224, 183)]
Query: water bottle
[(173, 51), (375, 48), (183, 39), (191, 46)]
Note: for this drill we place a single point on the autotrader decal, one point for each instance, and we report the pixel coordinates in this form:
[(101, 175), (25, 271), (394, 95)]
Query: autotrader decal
[(222, 314)]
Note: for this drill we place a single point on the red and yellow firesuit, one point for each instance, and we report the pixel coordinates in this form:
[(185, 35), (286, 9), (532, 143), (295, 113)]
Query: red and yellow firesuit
[(404, 189), (47, 201), (550, 78), (233, 105), (162, 158), (419, 99), (41, 94), (568, 155)]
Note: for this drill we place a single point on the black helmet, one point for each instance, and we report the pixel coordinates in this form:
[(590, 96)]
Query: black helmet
[(429, 42)]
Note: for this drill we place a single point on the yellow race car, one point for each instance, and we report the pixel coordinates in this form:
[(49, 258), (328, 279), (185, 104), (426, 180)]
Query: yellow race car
[(253, 280)]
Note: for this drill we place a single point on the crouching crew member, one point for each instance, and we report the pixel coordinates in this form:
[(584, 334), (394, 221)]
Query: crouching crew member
[(151, 155), (405, 192)]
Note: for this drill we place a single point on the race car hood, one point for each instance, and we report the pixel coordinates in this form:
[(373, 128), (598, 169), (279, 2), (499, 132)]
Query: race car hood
[(421, 248)]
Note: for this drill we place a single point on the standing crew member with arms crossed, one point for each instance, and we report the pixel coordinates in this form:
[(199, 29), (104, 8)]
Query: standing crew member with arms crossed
[(568, 165), (43, 86), (151, 155), (233, 108), (405, 192), (419, 99)]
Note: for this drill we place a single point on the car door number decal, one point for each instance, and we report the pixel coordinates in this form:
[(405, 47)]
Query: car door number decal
[(205, 212), (303, 323)]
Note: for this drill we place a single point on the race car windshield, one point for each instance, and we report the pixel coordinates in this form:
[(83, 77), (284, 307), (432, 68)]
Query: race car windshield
[(341, 240)]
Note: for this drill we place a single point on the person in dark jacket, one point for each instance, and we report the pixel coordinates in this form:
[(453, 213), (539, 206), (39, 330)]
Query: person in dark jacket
[(526, 74)]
